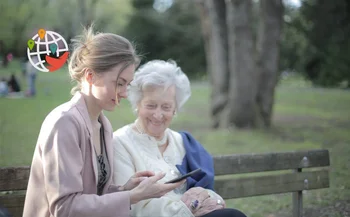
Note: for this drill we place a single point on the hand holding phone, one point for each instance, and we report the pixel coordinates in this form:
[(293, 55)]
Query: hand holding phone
[(183, 176)]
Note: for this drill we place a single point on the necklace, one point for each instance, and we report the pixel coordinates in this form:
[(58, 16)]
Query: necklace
[(159, 142)]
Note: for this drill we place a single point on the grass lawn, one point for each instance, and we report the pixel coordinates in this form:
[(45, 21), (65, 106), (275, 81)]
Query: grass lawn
[(304, 118)]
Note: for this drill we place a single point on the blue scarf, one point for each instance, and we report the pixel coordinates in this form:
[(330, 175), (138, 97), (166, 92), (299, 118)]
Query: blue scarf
[(196, 157)]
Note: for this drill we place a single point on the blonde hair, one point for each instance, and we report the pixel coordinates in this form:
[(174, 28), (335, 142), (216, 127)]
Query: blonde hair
[(99, 52)]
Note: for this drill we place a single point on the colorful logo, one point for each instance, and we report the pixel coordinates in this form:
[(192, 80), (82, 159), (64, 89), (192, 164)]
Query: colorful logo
[(47, 51)]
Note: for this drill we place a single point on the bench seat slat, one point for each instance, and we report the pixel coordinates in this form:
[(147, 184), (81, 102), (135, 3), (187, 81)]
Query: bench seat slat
[(271, 184), (248, 163)]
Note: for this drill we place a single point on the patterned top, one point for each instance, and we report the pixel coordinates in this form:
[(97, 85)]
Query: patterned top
[(103, 165)]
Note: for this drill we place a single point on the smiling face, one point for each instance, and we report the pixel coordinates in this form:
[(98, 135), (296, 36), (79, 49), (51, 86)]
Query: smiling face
[(156, 110), (108, 89)]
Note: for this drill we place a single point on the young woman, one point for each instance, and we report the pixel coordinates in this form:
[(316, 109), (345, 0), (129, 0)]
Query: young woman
[(71, 172)]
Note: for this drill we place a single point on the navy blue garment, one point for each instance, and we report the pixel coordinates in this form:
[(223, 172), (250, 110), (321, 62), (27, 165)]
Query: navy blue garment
[(196, 157), (4, 212)]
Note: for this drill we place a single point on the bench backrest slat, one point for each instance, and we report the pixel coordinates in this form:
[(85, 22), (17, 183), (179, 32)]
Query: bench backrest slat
[(14, 178), (271, 184), (248, 163)]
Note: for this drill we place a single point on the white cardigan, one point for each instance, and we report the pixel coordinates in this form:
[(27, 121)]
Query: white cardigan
[(136, 152)]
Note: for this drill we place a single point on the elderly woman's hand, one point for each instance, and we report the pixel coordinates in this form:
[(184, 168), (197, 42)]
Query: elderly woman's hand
[(202, 201), (194, 197), (214, 202), (218, 198)]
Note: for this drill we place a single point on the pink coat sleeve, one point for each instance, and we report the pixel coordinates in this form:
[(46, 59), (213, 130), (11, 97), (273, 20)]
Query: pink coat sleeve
[(62, 166)]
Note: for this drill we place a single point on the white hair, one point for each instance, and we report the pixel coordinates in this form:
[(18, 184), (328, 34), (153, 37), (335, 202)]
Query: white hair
[(159, 73)]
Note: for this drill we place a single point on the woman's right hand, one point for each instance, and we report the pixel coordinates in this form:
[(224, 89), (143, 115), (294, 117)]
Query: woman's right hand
[(149, 188), (135, 180)]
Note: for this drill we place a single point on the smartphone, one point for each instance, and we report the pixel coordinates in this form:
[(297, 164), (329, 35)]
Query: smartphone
[(183, 176)]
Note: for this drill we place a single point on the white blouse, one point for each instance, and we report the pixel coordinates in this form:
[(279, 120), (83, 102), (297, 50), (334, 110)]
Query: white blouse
[(134, 152)]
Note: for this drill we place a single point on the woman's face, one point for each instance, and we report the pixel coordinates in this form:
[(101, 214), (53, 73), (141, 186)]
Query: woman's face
[(108, 90), (156, 110)]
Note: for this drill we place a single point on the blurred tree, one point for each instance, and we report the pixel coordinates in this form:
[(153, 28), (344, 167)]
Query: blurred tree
[(243, 76), (87, 11), (326, 27), (268, 57), (243, 66), (171, 34), (213, 17), (293, 42), (20, 20), (16, 17)]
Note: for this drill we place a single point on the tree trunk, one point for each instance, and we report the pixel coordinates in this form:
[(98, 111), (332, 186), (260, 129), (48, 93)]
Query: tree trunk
[(83, 10), (87, 11), (270, 27), (243, 79), (242, 92), (206, 30), (217, 52)]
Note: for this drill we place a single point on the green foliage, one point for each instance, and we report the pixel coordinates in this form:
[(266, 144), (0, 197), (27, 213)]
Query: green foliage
[(20, 20), (293, 42), (173, 34), (17, 19), (140, 4), (317, 43)]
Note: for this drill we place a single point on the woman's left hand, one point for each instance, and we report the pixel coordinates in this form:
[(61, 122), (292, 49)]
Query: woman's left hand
[(209, 205), (207, 201), (135, 180), (217, 197)]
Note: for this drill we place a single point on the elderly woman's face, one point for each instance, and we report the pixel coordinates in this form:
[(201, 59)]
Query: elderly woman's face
[(156, 110)]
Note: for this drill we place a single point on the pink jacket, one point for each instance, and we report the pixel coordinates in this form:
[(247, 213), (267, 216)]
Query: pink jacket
[(63, 174)]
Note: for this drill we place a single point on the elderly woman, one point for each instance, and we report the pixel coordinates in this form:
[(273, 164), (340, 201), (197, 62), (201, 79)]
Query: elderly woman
[(157, 93)]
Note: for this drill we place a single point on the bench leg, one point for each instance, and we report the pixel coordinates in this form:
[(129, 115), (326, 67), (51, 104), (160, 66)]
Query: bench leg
[(298, 202)]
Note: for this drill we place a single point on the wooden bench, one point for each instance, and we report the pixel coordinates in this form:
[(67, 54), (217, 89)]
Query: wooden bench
[(291, 177)]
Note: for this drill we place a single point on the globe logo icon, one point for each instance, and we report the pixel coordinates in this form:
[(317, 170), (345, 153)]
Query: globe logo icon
[(47, 51)]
